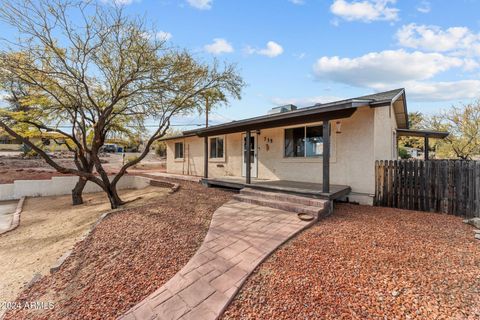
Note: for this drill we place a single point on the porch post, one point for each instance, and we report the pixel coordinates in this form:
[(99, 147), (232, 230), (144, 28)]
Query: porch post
[(326, 156), (425, 147), (205, 160), (248, 158)]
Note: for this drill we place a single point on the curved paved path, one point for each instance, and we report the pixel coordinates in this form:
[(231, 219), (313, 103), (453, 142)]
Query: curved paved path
[(240, 237)]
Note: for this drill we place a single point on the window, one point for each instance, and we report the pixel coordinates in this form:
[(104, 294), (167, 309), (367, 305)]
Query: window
[(216, 147), (295, 142), (304, 142), (178, 150)]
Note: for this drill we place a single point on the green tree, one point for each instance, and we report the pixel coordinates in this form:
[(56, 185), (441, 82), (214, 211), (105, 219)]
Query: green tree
[(463, 124), (96, 75), (417, 121)]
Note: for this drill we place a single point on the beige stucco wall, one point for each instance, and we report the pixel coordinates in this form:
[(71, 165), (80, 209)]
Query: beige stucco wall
[(192, 162), (365, 137), (10, 147)]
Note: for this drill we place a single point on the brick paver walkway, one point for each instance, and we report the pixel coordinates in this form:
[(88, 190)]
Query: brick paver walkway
[(241, 235)]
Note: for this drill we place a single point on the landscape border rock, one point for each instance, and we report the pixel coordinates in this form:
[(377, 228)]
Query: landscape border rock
[(16, 216), (473, 221), (165, 184)]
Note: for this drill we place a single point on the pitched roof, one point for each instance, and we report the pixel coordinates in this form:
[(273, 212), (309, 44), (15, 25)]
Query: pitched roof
[(383, 96), (317, 112)]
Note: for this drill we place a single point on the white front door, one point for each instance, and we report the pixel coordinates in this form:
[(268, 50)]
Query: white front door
[(253, 156)]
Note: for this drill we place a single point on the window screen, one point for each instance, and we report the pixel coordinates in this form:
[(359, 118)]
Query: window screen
[(216, 147), (178, 150)]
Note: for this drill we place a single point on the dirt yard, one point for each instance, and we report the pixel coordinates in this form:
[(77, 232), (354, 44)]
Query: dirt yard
[(369, 263), (14, 167), (49, 227), (129, 255)]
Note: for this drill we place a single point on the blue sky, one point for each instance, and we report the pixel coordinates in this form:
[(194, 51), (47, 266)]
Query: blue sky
[(308, 51)]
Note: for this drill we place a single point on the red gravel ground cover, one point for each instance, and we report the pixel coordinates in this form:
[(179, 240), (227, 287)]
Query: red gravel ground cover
[(129, 255), (369, 263), (10, 175)]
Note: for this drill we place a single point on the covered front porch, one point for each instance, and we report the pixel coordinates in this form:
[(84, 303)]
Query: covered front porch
[(252, 128), (308, 189)]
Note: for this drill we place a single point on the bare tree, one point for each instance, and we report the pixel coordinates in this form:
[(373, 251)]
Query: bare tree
[(103, 72)]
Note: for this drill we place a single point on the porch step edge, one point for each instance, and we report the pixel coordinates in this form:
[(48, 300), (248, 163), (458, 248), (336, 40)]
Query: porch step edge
[(282, 205), (281, 196)]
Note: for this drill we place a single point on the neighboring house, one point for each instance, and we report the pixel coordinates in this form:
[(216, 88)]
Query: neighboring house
[(9, 143), (291, 144), (415, 153), (51, 141)]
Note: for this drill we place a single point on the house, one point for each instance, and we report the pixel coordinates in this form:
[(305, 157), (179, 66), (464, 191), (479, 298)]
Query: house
[(51, 141), (325, 150)]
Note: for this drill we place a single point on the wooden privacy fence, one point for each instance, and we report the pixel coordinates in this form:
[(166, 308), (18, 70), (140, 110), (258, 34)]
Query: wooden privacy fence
[(447, 186)]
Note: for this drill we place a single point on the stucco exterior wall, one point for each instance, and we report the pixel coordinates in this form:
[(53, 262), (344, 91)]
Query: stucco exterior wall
[(364, 137), (384, 133), (10, 147)]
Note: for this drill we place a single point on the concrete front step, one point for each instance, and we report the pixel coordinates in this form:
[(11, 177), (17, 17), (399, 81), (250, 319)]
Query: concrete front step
[(284, 205), (281, 196)]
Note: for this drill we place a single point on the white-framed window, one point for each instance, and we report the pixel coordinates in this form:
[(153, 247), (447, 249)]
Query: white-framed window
[(217, 148), (303, 142), (178, 150)]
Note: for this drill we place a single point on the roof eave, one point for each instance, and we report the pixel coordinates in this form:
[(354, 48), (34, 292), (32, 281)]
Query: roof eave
[(314, 114)]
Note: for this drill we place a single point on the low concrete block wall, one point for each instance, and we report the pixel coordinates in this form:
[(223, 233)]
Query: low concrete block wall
[(6, 191), (58, 186)]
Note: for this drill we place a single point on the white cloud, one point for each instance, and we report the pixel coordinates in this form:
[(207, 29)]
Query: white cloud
[(160, 35), (388, 66), (118, 2), (366, 10), (438, 91), (392, 69), (300, 55), (424, 7), (297, 2), (219, 46), (201, 4), (272, 50), (434, 38), (163, 35), (303, 102), (123, 2)]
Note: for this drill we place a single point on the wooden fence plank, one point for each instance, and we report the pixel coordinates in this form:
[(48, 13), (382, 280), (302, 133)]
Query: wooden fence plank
[(447, 186)]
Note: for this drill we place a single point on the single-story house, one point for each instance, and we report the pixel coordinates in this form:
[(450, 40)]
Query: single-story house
[(47, 139), (329, 147)]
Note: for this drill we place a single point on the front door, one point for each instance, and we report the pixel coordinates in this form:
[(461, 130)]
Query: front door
[(253, 156)]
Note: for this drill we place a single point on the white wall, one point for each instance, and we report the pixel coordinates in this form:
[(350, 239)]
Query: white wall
[(61, 186)]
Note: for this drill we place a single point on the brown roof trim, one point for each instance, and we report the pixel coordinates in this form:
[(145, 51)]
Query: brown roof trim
[(342, 109), (422, 133), (177, 137), (318, 112)]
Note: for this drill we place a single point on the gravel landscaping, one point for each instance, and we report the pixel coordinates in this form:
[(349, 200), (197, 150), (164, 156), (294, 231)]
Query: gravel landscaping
[(50, 226), (129, 255), (369, 263)]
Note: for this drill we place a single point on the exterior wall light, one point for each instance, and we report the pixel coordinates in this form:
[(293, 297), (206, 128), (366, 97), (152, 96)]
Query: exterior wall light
[(338, 126)]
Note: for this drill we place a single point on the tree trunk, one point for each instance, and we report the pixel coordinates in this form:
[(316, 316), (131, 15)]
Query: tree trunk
[(113, 197), (77, 198)]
